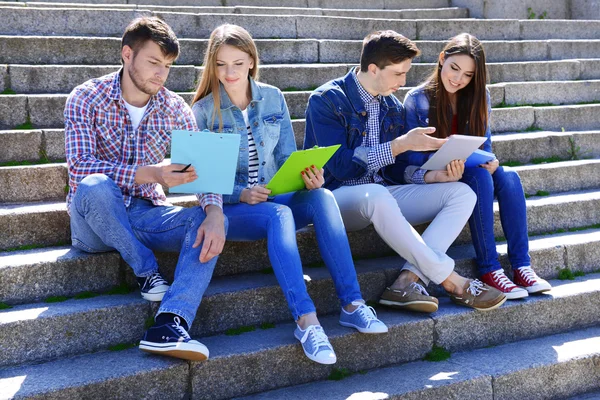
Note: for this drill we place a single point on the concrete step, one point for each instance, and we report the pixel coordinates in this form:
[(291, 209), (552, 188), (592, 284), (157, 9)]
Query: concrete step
[(50, 79), (111, 22), (49, 182), (69, 50), (549, 367), (248, 358), (47, 224), (347, 4), (414, 13), (46, 110)]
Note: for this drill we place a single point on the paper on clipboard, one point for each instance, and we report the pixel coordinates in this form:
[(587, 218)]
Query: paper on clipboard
[(214, 157), (288, 179), (458, 147)]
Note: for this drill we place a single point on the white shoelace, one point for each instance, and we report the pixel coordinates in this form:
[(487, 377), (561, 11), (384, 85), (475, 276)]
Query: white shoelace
[(366, 312), (476, 287), (502, 279), (156, 279), (180, 329), (317, 339), (529, 275), (419, 288)]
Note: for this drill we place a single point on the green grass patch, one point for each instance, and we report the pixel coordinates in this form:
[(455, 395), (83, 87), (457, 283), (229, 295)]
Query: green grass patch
[(26, 125), (337, 374), (566, 274), (122, 346), (511, 164), (149, 322), (267, 271), (437, 354), (575, 229), (15, 163), (4, 306), (582, 103), (297, 89), (542, 193), (120, 289), (546, 160), (240, 330), (502, 238), (66, 189), (56, 299), (85, 295), (8, 91), (33, 246), (532, 128), (267, 325)]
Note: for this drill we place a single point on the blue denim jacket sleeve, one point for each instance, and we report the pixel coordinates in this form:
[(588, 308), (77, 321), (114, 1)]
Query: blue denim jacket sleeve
[(325, 127), (287, 140)]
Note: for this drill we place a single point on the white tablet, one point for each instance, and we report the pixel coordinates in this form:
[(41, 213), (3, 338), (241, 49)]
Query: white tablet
[(458, 147)]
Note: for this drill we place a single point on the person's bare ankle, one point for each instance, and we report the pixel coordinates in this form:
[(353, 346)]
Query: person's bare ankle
[(307, 320), (454, 284), (351, 307), (405, 278)]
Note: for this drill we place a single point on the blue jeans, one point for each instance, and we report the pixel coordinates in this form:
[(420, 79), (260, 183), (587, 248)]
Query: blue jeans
[(100, 222), (505, 184), (278, 220)]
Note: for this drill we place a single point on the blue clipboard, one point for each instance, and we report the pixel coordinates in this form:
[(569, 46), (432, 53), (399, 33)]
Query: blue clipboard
[(213, 155), (479, 157)]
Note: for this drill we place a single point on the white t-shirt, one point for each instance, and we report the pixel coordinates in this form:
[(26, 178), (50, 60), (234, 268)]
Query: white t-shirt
[(252, 153), (135, 113)]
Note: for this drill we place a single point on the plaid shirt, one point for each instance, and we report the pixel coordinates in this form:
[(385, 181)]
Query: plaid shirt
[(99, 138), (380, 154)]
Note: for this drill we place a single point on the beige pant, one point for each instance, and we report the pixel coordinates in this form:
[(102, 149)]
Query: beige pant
[(394, 209)]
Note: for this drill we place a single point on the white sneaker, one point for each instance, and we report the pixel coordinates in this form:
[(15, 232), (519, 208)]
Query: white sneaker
[(315, 344), (364, 319)]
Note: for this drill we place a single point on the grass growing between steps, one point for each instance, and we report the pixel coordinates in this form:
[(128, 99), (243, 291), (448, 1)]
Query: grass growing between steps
[(575, 229), (25, 126), (249, 328), (4, 306), (437, 354), (337, 374), (56, 299), (32, 247), (566, 274), (122, 346), (540, 193), (8, 91)]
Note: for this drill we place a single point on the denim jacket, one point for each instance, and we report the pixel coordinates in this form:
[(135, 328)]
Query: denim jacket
[(416, 104), (337, 115), (271, 128)]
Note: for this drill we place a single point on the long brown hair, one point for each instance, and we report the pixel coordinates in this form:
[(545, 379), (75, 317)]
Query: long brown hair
[(471, 101), (231, 35)]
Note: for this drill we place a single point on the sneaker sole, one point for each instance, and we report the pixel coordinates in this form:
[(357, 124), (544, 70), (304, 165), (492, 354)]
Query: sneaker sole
[(361, 330), (419, 306), (521, 294), (183, 351), (153, 296), (538, 290)]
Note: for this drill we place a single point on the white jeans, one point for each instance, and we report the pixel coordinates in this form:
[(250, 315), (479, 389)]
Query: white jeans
[(394, 209)]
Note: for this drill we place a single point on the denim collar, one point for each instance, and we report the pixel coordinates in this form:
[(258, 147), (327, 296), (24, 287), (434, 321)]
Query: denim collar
[(226, 102)]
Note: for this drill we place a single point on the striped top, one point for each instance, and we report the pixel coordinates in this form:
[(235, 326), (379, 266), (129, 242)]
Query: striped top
[(252, 154)]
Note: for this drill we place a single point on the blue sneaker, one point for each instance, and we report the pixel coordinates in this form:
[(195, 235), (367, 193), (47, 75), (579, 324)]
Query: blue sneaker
[(364, 319), (172, 339), (315, 344)]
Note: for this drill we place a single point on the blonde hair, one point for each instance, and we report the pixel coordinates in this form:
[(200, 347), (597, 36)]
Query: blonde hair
[(227, 34)]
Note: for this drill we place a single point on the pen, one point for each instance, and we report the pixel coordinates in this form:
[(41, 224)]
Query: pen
[(185, 168)]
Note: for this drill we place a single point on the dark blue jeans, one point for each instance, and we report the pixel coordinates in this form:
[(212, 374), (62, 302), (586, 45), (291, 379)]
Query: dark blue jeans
[(505, 185), (277, 221)]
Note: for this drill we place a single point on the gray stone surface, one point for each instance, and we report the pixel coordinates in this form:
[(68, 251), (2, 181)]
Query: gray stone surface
[(3, 77), (435, 29), (403, 4), (563, 92), (348, 4), (560, 177), (54, 140), (29, 276), (475, 7), (20, 145), (245, 364), (33, 183), (519, 9), (590, 69), (128, 374), (511, 119), (566, 29), (346, 29), (566, 49), (296, 10), (53, 79), (551, 367), (582, 253), (13, 110), (536, 71), (575, 117), (289, 51), (419, 380), (585, 9), (39, 331), (303, 77)]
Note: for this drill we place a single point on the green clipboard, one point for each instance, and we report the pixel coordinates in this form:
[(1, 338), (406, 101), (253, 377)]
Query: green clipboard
[(288, 178)]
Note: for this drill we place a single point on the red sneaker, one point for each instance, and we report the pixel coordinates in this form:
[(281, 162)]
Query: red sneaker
[(498, 279), (528, 279)]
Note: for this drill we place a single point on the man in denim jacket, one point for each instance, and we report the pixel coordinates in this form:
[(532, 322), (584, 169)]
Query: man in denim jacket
[(360, 112)]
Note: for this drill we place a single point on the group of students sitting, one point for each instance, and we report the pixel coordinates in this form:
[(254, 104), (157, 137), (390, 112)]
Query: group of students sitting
[(118, 128)]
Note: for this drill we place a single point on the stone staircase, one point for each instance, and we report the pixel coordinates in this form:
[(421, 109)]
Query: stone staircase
[(69, 320)]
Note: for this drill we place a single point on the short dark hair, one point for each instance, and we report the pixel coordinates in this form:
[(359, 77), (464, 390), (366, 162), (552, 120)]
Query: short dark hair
[(142, 29), (384, 48)]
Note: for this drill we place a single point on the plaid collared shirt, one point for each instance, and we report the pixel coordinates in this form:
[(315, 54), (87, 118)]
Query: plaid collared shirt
[(380, 154), (99, 137)]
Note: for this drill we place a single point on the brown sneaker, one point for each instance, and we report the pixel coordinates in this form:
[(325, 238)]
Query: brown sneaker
[(479, 296), (413, 297)]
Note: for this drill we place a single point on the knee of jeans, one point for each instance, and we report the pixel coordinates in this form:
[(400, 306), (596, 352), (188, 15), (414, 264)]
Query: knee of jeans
[(322, 197), (508, 177), (96, 185), (378, 198), (282, 215), (479, 179)]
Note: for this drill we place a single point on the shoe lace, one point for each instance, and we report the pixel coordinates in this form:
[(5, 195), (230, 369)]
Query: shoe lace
[(366, 312), (501, 279), (156, 279), (318, 337), (528, 274), (419, 288), (476, 287), (180, 329)]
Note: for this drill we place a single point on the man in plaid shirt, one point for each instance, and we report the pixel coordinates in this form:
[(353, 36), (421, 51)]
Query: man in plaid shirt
[(373, 184), (117, 131)]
